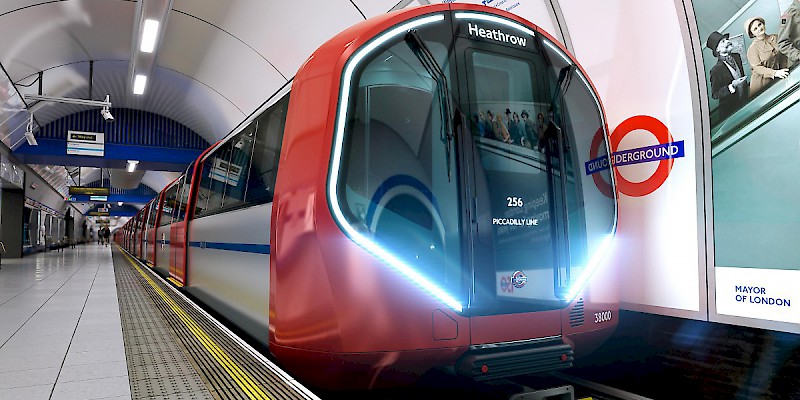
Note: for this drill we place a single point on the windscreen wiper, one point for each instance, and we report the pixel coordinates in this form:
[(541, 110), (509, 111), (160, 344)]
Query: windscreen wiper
[(425, 57)]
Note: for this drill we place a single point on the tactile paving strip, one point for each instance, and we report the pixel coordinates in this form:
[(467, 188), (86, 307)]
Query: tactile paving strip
[(157, 366), (228, 371)]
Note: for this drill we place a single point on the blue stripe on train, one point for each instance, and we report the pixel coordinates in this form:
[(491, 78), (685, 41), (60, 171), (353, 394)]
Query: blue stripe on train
[(242, 247)]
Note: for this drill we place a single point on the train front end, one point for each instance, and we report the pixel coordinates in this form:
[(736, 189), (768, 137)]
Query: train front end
[(444, 199)]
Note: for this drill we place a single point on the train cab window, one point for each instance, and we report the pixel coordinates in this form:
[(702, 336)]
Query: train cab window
[(398, 187)]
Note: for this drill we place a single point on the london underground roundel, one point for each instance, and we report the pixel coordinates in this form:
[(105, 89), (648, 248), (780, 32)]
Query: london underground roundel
[(664, 153)]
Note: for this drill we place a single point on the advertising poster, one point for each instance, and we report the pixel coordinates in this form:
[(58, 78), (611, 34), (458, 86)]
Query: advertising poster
[(753, 88)]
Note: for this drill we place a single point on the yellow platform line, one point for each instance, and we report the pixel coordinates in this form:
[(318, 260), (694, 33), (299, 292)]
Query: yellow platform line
[(175, 281), (242, 378)]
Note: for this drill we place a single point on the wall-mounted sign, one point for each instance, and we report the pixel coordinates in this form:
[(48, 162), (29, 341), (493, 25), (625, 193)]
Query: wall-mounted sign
[(86, 143), (98, 198), (98, 214), (91, 191)]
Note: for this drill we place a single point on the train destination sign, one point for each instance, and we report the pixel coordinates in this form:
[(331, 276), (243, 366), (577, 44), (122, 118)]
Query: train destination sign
[(88, 191), (496, 35)]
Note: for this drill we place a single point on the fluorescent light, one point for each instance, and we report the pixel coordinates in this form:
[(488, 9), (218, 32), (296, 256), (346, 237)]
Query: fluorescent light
[(138, 84), (132, 165), (149, 35)]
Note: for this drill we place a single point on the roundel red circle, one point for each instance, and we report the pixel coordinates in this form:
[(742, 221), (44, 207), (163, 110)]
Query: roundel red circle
[(594, 148), (660, 131)]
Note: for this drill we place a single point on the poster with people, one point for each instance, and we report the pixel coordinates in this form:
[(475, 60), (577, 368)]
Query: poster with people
[(755, 152)]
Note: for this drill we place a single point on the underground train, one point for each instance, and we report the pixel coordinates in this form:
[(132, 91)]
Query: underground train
[(432, 191)]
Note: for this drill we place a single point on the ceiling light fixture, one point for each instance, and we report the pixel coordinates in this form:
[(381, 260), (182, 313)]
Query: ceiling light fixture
[(149, 35), (139, 83), (105, 112), (132, 165), (119, 203), (105, 105)]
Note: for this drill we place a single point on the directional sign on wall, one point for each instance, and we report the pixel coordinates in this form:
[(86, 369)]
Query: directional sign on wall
[(86, 143), (90, 191)]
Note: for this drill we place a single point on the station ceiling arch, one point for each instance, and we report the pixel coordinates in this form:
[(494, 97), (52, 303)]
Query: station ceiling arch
[(213, 64)]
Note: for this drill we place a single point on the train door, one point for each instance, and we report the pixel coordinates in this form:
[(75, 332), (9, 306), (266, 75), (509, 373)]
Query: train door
[(177, 233), (511, 181), (163, 261), (528, 236), (152, 237), (140, 247), (147, 244)]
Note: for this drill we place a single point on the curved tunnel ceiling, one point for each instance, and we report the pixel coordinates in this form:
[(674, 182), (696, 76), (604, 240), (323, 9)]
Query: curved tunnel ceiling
[(216, 62)]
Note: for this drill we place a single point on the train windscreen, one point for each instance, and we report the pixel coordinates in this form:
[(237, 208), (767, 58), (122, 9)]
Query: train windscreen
[(478, 169)]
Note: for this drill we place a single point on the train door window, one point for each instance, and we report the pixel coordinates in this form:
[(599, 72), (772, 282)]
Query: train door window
[(517, 258), (153, 213), (170, 197), (263, 170), (534, 119), (182, 195), (398, 188)]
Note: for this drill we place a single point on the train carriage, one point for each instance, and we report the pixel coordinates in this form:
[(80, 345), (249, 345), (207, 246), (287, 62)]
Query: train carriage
[(402, 207)]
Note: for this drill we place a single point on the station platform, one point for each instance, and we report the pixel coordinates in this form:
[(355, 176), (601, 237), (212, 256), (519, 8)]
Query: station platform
[(93, 323)]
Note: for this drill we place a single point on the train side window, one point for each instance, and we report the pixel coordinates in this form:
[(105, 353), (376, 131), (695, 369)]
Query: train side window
[(241, 151), (267, 147), (182, 196), (215, 175)]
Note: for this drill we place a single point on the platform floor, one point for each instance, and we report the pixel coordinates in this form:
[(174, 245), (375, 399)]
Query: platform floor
[(60, 329), (74, 327)]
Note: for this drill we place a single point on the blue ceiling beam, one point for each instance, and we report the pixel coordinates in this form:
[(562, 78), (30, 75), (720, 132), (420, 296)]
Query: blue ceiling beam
[(54, 152)]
